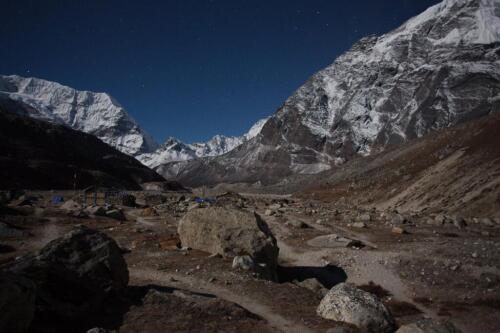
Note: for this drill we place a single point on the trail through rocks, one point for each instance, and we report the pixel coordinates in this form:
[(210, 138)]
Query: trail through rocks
[(275, 320)]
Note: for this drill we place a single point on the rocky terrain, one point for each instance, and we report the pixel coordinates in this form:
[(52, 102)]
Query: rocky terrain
[(233, 263), (369, 202), (437, 70)]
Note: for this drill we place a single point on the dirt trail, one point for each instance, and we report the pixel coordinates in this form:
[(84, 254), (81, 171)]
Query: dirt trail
[(368, 266), (276, 321)]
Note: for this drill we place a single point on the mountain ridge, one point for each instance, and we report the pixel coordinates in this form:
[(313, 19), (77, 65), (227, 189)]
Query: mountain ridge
[(437, 70)]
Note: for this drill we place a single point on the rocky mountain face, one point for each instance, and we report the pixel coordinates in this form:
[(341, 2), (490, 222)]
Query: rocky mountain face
[(94, 113), (437, 70)]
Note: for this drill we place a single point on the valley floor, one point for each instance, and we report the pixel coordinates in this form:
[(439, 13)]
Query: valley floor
[(419, 268)]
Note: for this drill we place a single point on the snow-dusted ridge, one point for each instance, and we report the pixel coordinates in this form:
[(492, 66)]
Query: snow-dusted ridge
[(94, 113), (101, 115), (174, 150)]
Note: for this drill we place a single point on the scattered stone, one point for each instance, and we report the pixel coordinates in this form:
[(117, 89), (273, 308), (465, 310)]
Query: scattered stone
[(486, 221), (399, 230), (81, 214), (397, 219), (346, 303), (231, 232), (298, 224), (17, 303), (459, 222), (116, 214), (275, 206), (359, 225), (243, 262), (440, 219), (314, 285), (71, 205), (269, 212), (96, 210), (365, 217), (429, 326), (148, 212)]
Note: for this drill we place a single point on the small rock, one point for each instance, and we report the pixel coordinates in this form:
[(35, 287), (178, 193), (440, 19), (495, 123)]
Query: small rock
[(71, 205), (398, 219), (115, 214), (487, 222), (245, 263), (459, 222), (440, 219), (365, 217), (359, 225), (313, 285), (96, 210), (399, 230)]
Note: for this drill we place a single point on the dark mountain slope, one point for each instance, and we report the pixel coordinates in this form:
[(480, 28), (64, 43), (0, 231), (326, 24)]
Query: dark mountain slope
[(38, 155)]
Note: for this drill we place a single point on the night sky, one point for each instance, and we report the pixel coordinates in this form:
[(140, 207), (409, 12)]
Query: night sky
[(189, 68)]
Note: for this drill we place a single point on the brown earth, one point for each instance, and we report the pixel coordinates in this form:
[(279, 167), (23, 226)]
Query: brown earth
[(438, 271)]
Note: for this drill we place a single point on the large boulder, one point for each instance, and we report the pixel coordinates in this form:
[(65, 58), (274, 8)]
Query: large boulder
[(230, 233), (429, 326), (346, 303), (74, 273), (17, 303)]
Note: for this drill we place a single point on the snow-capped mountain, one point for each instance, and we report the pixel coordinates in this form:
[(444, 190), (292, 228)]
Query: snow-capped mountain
[(94, 113), (102, 116), (438, 69), (174, 150)]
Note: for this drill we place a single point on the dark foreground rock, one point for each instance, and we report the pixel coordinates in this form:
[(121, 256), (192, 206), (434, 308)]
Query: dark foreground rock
[(17, 303), (74, 273), (231, 232)]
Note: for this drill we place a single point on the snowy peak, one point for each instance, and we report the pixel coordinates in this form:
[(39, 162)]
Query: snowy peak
[(94, 113), (255, 129), (453, 22), (174, 150)]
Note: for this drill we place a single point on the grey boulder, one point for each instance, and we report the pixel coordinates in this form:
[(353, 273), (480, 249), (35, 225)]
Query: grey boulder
[(348, 304), (230, 233)]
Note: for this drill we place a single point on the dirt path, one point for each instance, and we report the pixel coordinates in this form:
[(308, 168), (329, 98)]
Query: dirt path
[(276, 321)]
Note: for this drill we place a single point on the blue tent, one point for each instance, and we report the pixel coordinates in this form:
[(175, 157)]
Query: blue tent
[(57, 199)]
